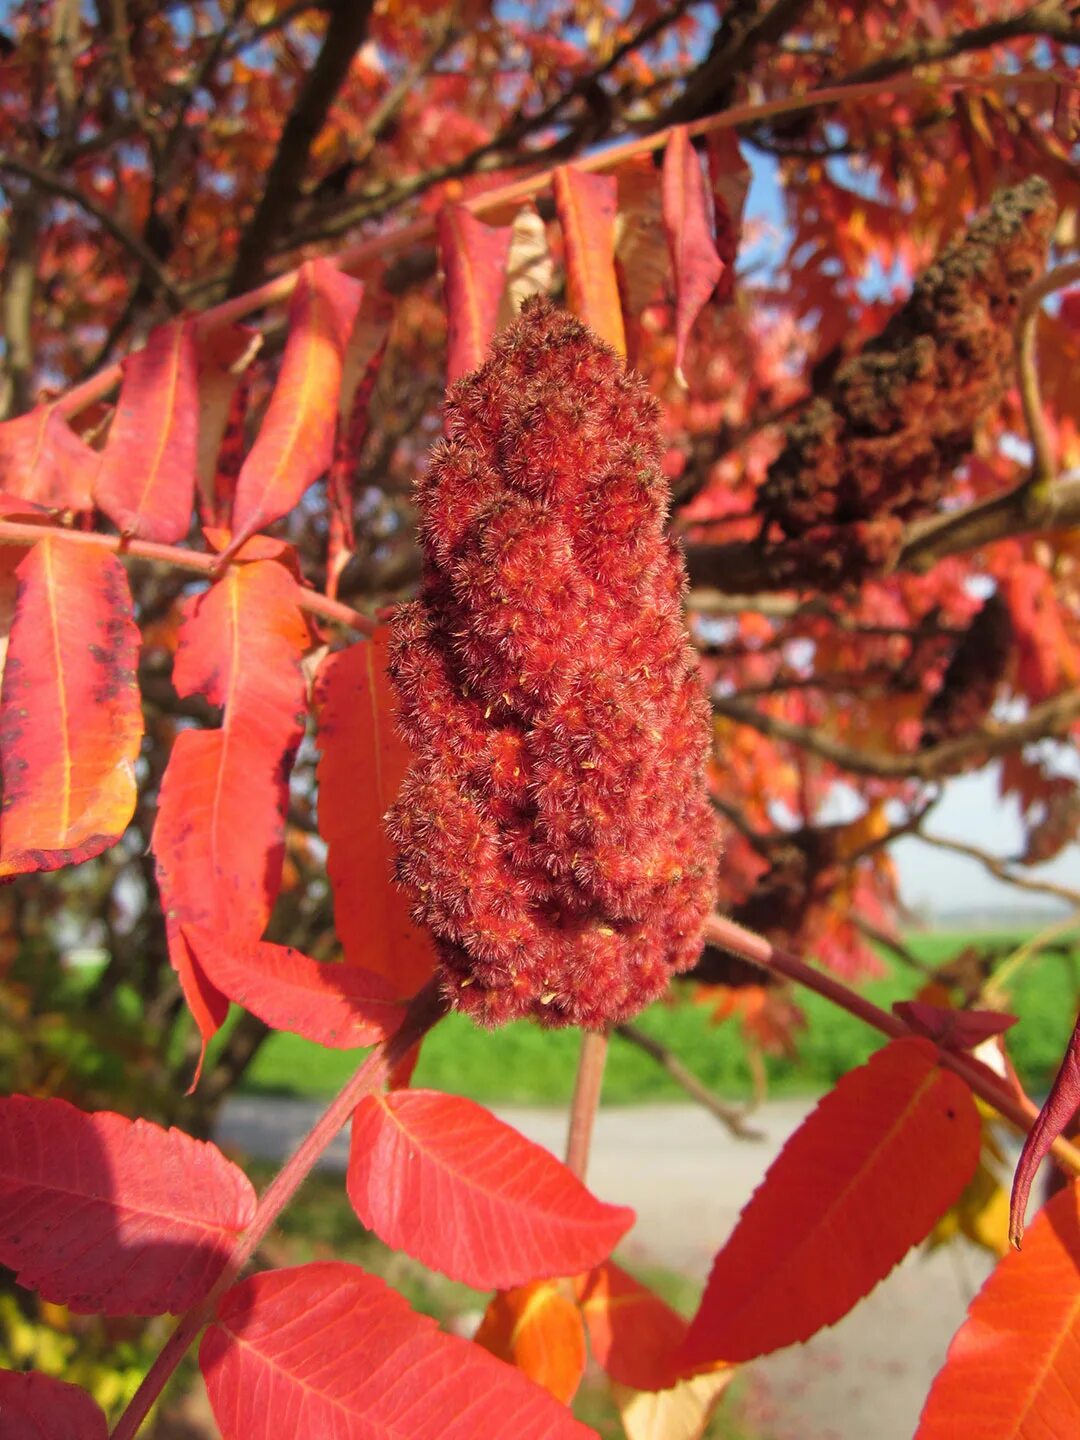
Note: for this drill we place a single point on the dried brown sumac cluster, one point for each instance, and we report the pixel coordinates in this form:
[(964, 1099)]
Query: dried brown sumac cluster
[(880, 446), (555, 829), (974, 673)]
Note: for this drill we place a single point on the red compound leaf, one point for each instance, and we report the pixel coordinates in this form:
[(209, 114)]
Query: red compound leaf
[(113, 1216), (442, 1179), (43, 460), (586, 205), (634, 1336), (326, 1350), (37, 1407), (952, 1029)]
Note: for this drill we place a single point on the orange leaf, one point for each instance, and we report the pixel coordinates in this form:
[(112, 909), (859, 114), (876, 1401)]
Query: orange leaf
[(146, 482), (863, 1179), (537, 1329), (633, 1334), (42, 459), (697, 266), (219, 836), (474, 259), (364, 760), (1013, 1368), (295, 443), (586, 207), (70, 716)]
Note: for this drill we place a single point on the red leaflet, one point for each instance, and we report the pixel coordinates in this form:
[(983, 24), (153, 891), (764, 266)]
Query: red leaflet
[(729, 175), (219, 836), (352, 432), (441, 1178), (952, 1029), (696, 264), (42, 459), (334, 1005), (70, 716), (538, 1330), (1056, 1113), (363, 762), (586, 206), (146, 483), (882, 1156), (295, 443), (1013, 1368), (37, 1407), (474, 259), (326, 1350), (225, 355), (633, 1334), (110, 1215)]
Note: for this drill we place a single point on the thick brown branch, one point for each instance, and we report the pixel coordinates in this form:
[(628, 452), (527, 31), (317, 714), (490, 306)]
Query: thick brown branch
[(345, 34), (1052, 717)]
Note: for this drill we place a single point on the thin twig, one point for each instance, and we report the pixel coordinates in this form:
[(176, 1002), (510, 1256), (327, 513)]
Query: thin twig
[(45, 180), (1044, 465), (583, 1107), (1016, 1109), (13, 532), (733, 1116), (425, 1010), (1000, 870)]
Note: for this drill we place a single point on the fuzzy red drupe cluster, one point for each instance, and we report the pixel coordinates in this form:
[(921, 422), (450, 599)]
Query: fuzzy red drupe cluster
[(555, 829)]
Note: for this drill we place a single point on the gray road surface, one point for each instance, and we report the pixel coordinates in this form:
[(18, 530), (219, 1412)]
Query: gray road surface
[(687, 1178)]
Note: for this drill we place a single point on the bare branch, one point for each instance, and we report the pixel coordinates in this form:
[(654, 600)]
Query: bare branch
[(1051, 718), (1001, 870), (1044, 467), (45, 180), (733, 1116)]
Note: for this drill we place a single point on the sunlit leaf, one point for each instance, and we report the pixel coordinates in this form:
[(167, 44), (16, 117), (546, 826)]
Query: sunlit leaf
[(70, 715), (687, 223), (537, 1329), (474, 257), (326, 1350), (861, 1181), (146, 483), (42, 459), (586, 207), (442, 1179)]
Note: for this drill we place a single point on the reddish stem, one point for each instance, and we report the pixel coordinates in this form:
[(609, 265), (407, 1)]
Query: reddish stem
[(13, 532), (1017, 1110), (427, 1007), (583, 1107)]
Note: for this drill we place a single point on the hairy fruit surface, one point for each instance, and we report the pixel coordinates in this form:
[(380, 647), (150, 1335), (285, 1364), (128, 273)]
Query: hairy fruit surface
[(554, 830)]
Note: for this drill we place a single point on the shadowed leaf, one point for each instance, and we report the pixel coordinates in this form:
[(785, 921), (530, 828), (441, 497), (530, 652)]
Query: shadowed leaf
[(37, 1407), (633, 1334), (687, 224), (110, 1215), (1058, 1111)]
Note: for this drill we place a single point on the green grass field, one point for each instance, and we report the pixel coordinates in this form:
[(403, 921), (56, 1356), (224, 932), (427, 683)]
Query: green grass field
[(526, 1065)]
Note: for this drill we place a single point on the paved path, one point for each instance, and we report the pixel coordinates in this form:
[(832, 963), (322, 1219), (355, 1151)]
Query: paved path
[(687, 1178)]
